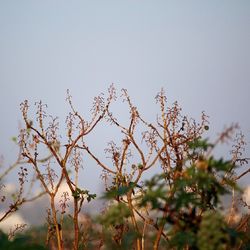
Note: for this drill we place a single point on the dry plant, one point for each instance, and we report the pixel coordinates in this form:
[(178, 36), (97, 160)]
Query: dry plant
[(23, 193), (164, 146), (40, 136)]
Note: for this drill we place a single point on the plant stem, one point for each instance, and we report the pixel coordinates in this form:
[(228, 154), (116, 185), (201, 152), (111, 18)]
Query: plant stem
[(76, 225), (58, 230)]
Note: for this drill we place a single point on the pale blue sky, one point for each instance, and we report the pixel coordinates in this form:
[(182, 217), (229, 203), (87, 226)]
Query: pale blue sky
[(197, 50)]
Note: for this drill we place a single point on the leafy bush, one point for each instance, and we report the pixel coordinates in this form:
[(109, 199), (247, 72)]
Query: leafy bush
[(20, 243)]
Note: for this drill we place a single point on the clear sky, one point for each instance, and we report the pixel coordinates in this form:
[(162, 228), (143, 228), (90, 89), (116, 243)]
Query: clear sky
[(197, 50)]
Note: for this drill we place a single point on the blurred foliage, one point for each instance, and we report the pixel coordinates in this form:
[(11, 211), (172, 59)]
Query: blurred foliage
[(20, 242), (116, 214), (79, 193)]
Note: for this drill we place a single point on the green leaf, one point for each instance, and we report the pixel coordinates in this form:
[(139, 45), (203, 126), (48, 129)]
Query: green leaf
[(115, 215), (90, 197), (14, 139), (200, 144), (120, 191)]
